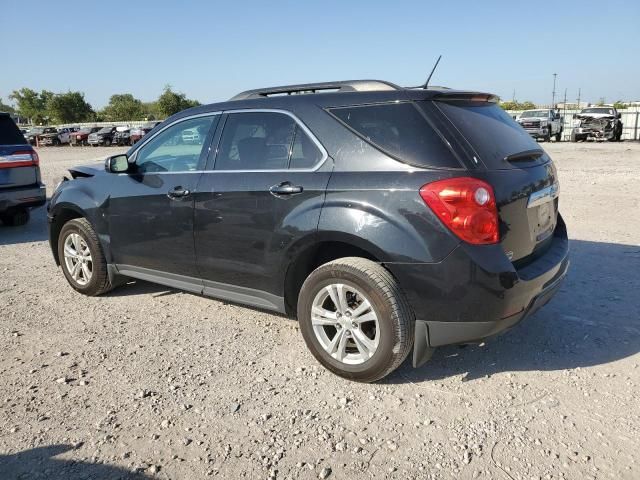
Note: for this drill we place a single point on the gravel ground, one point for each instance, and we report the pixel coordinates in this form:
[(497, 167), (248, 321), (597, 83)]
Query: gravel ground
[(149, 382)]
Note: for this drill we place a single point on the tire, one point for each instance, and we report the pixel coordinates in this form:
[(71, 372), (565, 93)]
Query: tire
[(547, 135), (559, 136), (107, 143), (574, 137), (98, 282), (393, 328), (16, 217)]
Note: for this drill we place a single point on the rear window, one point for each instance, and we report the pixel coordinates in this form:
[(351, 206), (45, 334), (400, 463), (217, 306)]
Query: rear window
[(400, 130), (9, 132), (490, 130)]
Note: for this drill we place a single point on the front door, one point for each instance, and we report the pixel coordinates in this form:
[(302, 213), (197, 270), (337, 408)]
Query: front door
[(264, 193), (151, 207)]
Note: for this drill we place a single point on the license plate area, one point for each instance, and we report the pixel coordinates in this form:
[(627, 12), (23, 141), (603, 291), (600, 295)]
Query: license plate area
[(542, 212)]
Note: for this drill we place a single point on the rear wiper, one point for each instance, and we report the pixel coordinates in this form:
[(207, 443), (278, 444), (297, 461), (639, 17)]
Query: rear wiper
[(526, 155)]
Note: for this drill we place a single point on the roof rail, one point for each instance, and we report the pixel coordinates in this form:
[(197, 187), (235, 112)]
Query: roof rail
[(340, 86)]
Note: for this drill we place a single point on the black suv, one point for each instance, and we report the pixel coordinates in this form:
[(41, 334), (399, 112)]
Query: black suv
[(383, 218), (20, 184)]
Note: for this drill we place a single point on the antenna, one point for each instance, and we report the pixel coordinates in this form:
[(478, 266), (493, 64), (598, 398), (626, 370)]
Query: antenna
[(426, 84)]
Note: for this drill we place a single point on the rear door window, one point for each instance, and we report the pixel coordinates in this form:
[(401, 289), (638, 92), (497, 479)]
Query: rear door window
[(492, 133), (9, 132), (401, 131)]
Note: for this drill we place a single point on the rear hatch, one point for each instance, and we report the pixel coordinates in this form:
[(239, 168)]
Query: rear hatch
[(18, 160), (522, 175)]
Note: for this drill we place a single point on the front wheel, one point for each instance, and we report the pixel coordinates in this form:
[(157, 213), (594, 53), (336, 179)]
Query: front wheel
[(81, 257), (355, 319), (559, 136)]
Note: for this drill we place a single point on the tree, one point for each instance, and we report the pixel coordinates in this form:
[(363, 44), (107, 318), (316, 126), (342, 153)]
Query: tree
[(6, 107), (124, 106), (618, 105), (31, 104), (69, 107), (514, 105), (171, 102)]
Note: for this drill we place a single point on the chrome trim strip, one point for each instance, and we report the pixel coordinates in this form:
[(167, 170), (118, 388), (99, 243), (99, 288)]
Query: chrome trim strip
[(542, 196), (299, 122)]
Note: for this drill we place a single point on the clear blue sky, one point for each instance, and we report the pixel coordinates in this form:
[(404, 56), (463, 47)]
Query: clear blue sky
[(211, 50)]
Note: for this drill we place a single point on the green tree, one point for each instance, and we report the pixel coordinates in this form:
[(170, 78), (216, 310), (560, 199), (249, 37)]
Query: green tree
[(31, 104), (69, 107), (124, 106), (4, 107), (171, 102), (619, 105), (514, 105)]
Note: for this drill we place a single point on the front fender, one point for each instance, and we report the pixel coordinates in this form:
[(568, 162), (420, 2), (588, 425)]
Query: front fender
[(73, 200)]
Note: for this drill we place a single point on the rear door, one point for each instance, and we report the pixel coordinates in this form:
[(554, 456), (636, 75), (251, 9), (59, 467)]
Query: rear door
[(151, 207), (522, 174), (261, 194), (17, 168)]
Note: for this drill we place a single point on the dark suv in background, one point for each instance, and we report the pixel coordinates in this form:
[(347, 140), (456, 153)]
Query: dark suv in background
[(20, 184), (383, 218)]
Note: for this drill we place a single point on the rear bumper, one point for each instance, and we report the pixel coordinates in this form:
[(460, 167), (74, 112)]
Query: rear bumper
[(476, 292), (32, 196)]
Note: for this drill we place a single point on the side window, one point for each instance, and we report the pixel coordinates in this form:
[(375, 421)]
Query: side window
[(256, 141), (176, 149), (304, 153)]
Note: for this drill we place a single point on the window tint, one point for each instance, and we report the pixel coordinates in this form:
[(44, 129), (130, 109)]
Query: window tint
[(256, 141), (490, 130), (9, 133), (401, 131), (304, 153), (176, 149)]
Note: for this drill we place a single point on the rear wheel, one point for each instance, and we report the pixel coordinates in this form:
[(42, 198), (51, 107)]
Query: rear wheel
[(107, 143), (81, 257), (355, 319), (15, 217)]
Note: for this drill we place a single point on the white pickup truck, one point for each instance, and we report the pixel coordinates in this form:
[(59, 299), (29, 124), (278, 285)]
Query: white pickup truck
[(543, 123)]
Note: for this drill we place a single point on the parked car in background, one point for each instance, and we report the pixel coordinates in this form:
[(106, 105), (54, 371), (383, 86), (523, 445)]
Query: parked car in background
[(121, 137), (82, 135), (103, 137), (36, 132), (542, 123), (21, 187), (190, 136), (137, 133), (383, 218), (597, 123), (58, 136)]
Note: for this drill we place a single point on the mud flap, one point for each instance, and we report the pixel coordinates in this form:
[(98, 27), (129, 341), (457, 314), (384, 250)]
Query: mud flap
[(422, 352)]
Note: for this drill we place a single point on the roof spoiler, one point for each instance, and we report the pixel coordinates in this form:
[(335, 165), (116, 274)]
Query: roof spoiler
[(466, 97)]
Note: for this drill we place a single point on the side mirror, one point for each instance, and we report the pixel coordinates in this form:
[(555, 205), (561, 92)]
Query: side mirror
[(117, 164), (575, 115), (618, 115)]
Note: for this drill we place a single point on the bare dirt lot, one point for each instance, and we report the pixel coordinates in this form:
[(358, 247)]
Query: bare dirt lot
[(147, 382)]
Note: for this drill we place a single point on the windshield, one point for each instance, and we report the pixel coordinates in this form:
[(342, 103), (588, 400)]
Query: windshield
[(604, 111), (36, 131), (85, 130), (105, 130), (535, 113), (50, 130)]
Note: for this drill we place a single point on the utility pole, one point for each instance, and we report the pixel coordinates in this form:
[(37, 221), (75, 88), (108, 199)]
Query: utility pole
[(513, 99), (579, 98), (553, 95)]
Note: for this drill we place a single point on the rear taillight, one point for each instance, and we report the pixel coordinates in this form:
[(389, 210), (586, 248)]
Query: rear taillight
[(22, 158), (467, 206)]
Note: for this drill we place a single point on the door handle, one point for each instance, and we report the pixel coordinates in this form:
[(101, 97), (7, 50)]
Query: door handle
[(178, 192), (285, 188)]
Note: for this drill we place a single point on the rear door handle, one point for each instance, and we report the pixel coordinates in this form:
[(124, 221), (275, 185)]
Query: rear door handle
[(285, 188), (178, 192)]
